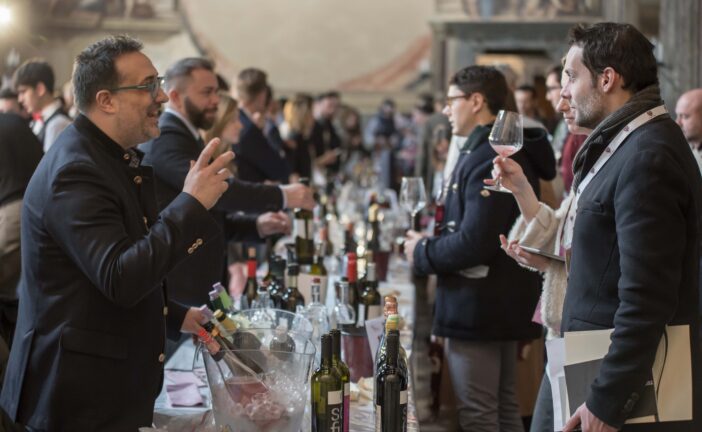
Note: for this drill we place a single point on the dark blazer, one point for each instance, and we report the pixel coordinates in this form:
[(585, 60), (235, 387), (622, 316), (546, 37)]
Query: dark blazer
[(87, 352), (256, 159), (20, 152), (170, 155), (500, 305), (635, 261)]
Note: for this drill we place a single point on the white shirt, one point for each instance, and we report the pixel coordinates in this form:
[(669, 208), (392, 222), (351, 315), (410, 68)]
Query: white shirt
[(53, 128)]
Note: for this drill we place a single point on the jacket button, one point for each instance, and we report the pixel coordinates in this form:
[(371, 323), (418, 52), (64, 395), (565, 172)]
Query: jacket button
[(191, 250), (125, 156), (635, 396), (137, 179), (161, 357), (198, 241), (165, 310), (485, 193)]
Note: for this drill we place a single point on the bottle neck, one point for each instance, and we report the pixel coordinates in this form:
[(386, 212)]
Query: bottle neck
[(251, 269), (352, 271)]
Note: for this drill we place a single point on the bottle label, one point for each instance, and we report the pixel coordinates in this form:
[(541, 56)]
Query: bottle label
[(304, 285), (374, 311), (347, 406), (361, 320), (378, 418), (335, 410), (303, 229)]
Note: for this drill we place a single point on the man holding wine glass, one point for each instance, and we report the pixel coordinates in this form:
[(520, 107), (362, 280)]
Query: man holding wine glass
[(484, 300)]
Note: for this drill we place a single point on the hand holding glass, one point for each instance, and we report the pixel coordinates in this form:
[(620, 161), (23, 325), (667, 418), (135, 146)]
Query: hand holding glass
[(506, 138)]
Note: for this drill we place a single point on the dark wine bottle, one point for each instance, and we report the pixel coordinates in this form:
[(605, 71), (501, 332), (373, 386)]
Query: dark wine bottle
[(251, 289), (303, 233), (345, 374), (352, 278), (276, 287), (292, 297), (327, 393), (391, 391), (369, 303)]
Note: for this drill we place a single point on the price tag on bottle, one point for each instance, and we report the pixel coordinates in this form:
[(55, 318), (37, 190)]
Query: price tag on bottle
[(374, 329)]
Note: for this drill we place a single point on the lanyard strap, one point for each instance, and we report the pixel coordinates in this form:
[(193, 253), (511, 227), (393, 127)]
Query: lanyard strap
[(569, 223)]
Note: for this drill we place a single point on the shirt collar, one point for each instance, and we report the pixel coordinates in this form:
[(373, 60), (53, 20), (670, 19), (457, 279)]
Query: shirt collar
[(193, 130), (479, 135), (50, 109), (131, 156)]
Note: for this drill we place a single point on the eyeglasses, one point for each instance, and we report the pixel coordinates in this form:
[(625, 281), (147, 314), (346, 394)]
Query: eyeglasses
[(153, 87), (450, 99)]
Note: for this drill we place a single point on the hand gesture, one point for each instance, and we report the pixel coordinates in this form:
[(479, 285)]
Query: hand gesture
[(206, 181), (510, 173), (588, 422)]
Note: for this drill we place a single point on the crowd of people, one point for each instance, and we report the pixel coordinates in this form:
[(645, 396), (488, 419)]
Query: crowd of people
[(118, 201)]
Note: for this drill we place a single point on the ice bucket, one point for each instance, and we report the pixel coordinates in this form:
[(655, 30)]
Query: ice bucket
[(271, 399)]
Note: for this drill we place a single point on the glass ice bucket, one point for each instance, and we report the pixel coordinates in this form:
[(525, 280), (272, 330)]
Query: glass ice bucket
[(263, 386)]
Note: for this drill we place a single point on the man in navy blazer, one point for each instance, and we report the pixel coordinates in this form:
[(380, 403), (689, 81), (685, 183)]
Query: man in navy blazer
[(88, 347), (193, 99), (634, 254), (256, 159), (484, 300)]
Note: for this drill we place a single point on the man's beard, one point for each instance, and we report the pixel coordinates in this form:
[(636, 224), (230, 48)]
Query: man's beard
[(590, 112), (197, 116)]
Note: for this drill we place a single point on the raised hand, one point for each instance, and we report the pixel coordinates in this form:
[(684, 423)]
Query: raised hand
[(206, 181)]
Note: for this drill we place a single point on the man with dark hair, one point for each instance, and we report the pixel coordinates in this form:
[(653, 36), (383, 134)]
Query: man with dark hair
[(34, 82), (525, 97), (632, 233), (88, 348), (191, 86), (256, 159), (484, 300), (324, 139)]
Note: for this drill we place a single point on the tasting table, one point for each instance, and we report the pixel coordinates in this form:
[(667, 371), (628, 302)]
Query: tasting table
[(177, 418)]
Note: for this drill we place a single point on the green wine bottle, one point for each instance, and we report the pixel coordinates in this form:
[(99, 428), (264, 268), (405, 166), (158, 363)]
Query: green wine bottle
[(327, 393), (369, 303), (345, 374), (292, 297)]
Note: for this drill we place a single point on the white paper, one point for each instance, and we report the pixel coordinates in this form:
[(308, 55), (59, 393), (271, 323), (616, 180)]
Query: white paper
[(555, 349)]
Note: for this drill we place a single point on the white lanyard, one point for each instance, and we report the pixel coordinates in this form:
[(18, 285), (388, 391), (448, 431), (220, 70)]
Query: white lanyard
[(601, 161)]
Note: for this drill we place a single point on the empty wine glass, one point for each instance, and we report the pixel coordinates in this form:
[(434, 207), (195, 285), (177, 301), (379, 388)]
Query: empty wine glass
[(413, 197), (506, 138), (343, 312)]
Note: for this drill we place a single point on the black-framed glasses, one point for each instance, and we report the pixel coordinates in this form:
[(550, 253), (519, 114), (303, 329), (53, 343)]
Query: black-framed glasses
[(153, 87), (450, 99)]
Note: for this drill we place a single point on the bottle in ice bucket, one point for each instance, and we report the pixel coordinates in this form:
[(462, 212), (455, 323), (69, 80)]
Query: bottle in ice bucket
[(327, 393), (292, 297), (225, 323), (282, 344), (390, 395), (276, 287), (303, 232), (219, 298), (343, 371)]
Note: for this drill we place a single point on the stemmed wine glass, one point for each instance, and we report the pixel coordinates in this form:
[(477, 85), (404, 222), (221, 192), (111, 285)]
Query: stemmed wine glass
[(413, 197), (506, 138)]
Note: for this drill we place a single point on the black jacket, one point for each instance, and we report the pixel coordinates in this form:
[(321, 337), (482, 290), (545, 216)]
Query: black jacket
[(170, 155), (500, 305), (20, 152), (87, 352), (634, 263), (256, 159)]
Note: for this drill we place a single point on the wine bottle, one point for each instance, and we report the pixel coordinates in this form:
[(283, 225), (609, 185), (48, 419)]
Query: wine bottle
[(227, 302), (281, 345), (327, 393), (221, 350), (352, 277), (389, 308), (392, 326), (226, 324), (369, 303), (251, 289), (373, 233), (276, 288), (303, 232), (292, 297), (390, 394), (350, 244), (345, 374)]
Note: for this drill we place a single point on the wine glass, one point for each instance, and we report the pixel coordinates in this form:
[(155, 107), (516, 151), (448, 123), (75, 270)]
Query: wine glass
[(506, 138), (413, 197)]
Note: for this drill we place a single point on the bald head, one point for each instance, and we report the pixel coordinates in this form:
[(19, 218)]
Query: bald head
[(688, 114)]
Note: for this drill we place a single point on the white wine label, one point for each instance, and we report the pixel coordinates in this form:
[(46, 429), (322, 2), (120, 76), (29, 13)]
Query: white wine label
[(403, 397), (304, 285), (361, 319), (374, 312), (335, 397), (378, 418), (303, 228)]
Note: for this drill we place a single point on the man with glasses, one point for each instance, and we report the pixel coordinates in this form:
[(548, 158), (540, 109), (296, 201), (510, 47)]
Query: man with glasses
[(89, 342)]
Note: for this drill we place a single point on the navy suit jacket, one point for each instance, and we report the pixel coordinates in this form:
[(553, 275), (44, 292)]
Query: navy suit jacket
[(256, 159), (87, 351), (170, 155)]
